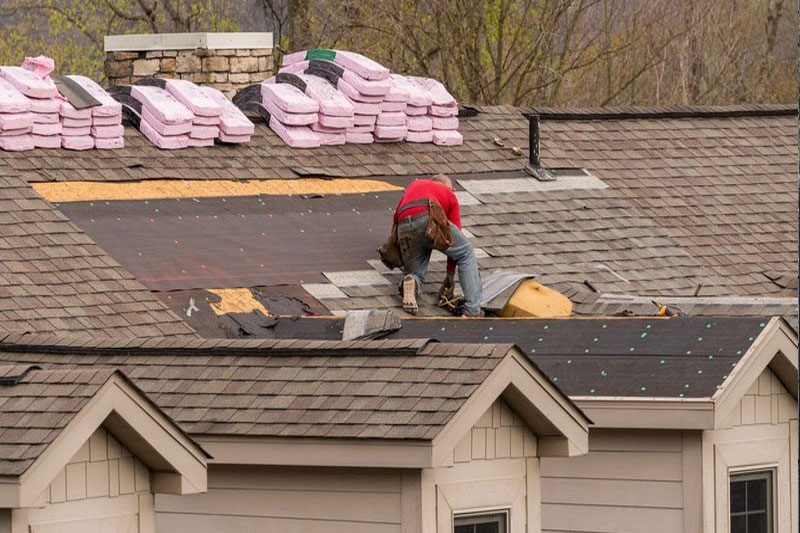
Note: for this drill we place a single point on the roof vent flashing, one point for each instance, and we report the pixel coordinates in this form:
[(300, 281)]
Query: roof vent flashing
[(534, 165)]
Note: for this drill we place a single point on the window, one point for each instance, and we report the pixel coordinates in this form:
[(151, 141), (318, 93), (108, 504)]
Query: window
[(751, 502), (492, 522)]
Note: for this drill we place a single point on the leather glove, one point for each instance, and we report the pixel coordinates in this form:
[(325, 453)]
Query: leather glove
[(448, 287)]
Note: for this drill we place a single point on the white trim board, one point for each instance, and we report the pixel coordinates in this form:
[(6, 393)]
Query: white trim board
[(186, 41)]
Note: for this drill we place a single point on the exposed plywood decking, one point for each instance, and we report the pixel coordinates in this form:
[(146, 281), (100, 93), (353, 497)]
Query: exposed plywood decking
[(88, 191)]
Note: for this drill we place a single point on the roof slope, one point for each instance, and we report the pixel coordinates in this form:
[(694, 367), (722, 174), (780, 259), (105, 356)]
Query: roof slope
[(53, 278), (35, 405), (396, 389), (657, 357)]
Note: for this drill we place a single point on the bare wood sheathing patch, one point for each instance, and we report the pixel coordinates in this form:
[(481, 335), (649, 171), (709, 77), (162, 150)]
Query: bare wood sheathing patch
[(239, 300), (87, 191)]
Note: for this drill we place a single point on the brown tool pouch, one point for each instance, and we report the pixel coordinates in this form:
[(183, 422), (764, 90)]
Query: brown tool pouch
[(438, 229)]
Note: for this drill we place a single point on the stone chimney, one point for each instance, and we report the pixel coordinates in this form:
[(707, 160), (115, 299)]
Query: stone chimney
[(227, 61)]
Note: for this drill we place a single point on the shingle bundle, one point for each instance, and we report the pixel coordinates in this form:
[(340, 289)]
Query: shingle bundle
[(42, 95), (76, 127), (16, 120), (106, 128), (387, 107), (164, 120), (234, 126), (207, 111), (291, 113)]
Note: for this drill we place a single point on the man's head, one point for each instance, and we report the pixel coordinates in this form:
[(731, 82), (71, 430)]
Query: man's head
[(444, 179)]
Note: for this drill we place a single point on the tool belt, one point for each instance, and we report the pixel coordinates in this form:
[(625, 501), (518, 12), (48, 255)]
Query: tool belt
[(437, 231)]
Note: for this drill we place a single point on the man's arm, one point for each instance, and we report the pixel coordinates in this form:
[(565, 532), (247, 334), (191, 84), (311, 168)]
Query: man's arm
[(454, 216)]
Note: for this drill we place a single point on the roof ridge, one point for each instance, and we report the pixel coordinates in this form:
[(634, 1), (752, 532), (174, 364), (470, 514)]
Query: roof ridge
[(663, 112)]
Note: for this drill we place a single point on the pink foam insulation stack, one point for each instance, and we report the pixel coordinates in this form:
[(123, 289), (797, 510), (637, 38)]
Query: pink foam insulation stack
[(16, 120), (291, 114), (105, 126), (41, 94), (165, 121), (207, 111), (386, 107), (234, 126)]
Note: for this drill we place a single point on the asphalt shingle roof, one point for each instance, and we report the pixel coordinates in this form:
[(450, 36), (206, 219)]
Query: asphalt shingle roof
[(393, 389), (53, 278)]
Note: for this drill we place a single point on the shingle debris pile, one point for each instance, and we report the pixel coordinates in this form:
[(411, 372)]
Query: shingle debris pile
[(358, 102), (175, 114), (34, 114)]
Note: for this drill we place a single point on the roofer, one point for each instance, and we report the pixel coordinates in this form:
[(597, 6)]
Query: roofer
[(428, 217)]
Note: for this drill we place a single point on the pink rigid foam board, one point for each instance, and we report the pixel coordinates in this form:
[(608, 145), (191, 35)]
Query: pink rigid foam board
[(233, 123), (294, 68), (295, 136), (45, 105), (352, 137), (108, 106), (392, 119), (11, 100), (204, 132), (335, 122), (46, 129), (42, 66), (288, 98), (233, 139), (447, 138), (46, 141), (85, 131), (420, 123), (114, 143), (17, 143), (419, 136), (198, 143), (393, 106), (108, 132), (331, 102), (162, 105), (417, 96), (442, 111), (67, 110), (319, 128), (413, 111), (76, 122), (106, 121), (363, 66), (445, 123), (361, 129), (84, 142), (364, 86), (194, 98), (28, 83), (390, 132), (206, 121), (438, 92), (353, 94), (364, 120), (15, 121), (18, 132), (362, 108), (290, 119), (171, 142), (397, 93), (164, 129), (331, 139), (46, 118)]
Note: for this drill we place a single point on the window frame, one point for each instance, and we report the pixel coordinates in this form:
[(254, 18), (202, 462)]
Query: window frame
[(769, 474), (474, 517)]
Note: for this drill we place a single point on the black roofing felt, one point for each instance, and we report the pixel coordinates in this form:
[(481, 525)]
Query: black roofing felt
[(677, 357), (240, 241)]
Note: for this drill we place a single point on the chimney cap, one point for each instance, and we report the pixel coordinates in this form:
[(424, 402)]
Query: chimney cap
[(187, 41)]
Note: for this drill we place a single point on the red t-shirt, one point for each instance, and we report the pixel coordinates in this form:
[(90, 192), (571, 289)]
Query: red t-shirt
[(424, 189)]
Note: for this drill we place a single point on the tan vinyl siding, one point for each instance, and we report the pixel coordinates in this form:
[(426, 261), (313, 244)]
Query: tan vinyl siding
[(630, 481), (288, 499), (757, 435), (102, 488)]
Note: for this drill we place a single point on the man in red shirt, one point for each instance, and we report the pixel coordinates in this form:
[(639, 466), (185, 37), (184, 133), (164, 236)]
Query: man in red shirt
[(411, 217)]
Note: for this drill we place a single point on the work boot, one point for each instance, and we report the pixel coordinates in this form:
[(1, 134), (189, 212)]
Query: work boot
[(410, 295)]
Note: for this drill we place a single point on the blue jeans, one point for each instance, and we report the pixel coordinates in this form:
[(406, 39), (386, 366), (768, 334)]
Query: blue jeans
[(416, 251)]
